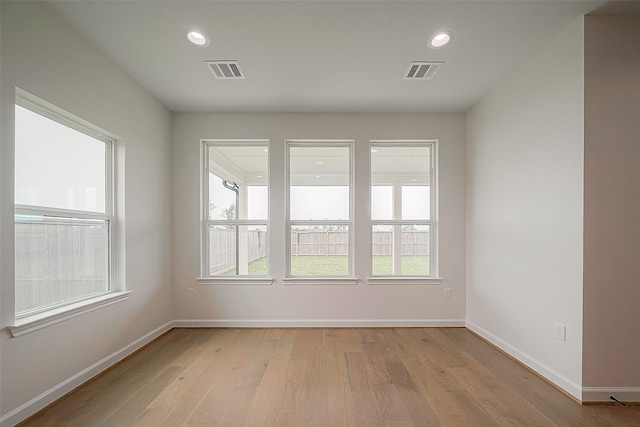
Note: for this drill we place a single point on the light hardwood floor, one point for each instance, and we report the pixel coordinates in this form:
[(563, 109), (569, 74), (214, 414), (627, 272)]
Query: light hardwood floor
[(323, 377)]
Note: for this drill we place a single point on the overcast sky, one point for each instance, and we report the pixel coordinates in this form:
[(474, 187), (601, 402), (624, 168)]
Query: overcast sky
[(324, 202)]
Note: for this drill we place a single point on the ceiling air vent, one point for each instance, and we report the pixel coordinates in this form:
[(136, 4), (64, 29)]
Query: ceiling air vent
[(422, 70), (225, 69)]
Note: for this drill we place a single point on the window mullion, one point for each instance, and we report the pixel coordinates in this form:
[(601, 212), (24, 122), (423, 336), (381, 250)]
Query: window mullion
[(62, 213)]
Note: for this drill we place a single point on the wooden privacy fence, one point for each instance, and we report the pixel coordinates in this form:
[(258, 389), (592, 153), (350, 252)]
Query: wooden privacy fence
[(313, 242), (413, 243), (305, 242), (58, 262), (222, 248)]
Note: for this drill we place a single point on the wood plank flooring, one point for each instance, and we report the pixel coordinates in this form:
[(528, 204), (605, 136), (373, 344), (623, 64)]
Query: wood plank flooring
[(388, 377)]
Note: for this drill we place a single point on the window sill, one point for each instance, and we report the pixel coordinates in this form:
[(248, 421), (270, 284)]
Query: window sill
[(243, 280), (404, 280), (320, 281), (32, 323)]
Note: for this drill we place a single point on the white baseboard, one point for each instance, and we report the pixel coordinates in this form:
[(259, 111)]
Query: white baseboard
[(319, 323), (548, 373), (54, 393), (603, 394)]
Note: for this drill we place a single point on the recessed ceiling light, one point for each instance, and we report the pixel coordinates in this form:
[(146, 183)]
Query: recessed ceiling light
[(197, 37), (440, 39), (259, 176), (319, 163), (414, 180), (317, 176), (373, 150)]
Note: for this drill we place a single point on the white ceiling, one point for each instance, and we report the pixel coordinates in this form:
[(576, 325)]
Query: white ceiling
[(320, 56)]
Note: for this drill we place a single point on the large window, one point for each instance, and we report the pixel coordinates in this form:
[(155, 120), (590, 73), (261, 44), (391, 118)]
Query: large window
[(235, 208), (402, 208), (63, 210), (319, 208)]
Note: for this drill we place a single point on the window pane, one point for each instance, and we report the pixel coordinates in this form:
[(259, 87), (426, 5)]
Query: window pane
[(382, 202), (222, 200), (320, 250), (319, 203), (319, 180), (257, 202), (400, 181), (251, 250), (400, 250), (59, 260), (416, 202), (56, 166), (238, 172)]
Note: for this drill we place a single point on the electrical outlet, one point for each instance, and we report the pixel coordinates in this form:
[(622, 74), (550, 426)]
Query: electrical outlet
[(561, 332), (448, 293), (191, 293)]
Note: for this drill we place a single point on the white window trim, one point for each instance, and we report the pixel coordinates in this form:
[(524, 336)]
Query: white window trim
[(50, 111), (320, 280), (32, 320), (404, 280), (205, 278), (349, 278), (433, 277), (235, 280), (32, 323)]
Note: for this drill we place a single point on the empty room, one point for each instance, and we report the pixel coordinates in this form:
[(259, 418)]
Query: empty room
[(329, 213)]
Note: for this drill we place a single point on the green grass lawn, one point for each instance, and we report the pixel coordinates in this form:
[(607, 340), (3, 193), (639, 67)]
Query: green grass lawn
[(310, 265), (257, 267), (338, 266), (412, 265)]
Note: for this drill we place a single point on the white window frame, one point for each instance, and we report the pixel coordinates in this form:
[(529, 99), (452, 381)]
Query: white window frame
[(433, 277), (205, 278), (349, 278), (40, 317)]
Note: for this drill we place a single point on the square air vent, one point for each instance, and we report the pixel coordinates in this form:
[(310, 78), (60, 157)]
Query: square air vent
[(225, 69), (422, 70)]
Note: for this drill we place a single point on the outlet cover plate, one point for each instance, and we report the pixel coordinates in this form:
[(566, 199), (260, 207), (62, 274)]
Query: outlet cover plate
[(561, 332)]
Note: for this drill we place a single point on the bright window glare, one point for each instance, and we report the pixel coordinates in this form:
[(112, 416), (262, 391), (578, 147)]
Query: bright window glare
[(48, 169), (220, 198), (257, 202), (382, 202), (415, 202), (319, 202)]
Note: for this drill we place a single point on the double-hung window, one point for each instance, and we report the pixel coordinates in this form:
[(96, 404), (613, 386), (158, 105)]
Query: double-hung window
[(403, 196), (235, 208), (320, 206), (63, 210)]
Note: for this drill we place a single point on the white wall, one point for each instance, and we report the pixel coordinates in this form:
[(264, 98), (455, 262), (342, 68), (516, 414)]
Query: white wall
[(47, 59), (281, 304), (524, 212), (612, 208), (521, 240)]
